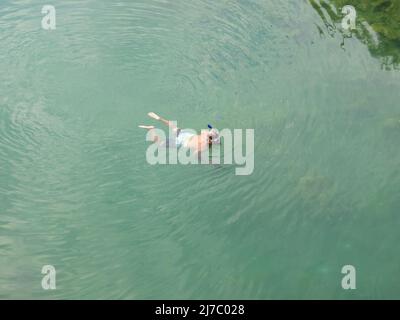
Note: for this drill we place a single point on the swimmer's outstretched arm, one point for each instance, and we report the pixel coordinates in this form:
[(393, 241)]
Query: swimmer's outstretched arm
[(157, 117)]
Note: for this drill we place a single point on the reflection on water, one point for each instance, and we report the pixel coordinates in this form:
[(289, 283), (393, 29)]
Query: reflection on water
[(378, 25)]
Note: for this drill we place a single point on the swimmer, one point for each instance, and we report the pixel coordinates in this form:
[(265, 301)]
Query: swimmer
[(185, 138)]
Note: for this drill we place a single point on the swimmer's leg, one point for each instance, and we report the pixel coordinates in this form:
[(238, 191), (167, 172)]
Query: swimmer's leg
[(166, 122), (153, 136)]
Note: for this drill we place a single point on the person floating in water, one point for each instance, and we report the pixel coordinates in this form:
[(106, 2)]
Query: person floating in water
[(184, 138)]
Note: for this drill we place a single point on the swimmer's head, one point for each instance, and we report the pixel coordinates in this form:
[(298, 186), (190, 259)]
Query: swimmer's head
[(213, 136)]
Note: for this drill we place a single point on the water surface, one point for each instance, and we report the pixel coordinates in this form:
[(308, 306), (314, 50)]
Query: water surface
[(76, 191)]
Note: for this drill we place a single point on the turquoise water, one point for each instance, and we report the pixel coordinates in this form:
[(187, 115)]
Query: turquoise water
[(77, 193)]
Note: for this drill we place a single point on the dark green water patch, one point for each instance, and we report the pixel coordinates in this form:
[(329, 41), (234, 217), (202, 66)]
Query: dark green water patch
[(377, 26)]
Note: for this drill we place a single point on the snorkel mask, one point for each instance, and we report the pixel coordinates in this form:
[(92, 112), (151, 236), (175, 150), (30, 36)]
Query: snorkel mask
[(214, 135)]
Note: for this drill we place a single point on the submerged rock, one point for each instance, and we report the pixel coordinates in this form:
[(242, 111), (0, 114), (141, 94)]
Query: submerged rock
[(315, 189), (392, 123)]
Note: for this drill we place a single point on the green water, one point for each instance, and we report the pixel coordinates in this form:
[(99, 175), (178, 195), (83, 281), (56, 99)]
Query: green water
[(77, 193)]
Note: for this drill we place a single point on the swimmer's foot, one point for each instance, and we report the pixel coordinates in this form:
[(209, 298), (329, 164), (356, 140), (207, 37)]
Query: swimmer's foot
[(154, 116), (147, 127)]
